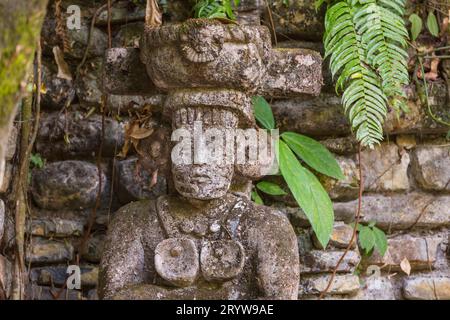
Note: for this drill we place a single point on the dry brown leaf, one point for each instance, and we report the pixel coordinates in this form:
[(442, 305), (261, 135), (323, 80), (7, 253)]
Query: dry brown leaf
[(140, 133), (405, 266), (153, 16), (63, 67)]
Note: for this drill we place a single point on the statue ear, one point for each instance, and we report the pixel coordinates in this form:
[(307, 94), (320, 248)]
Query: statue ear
[(249, 171)]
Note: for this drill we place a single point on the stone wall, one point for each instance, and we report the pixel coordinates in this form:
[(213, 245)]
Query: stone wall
[(407, 189)]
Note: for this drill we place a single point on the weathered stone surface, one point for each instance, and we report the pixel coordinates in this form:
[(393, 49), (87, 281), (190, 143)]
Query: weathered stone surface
[(12, 142), (55, 227), (134, 183), (42, 251), (129, 35), (406, 141), (67, 185), (6, 178), (121, 104), (88, 84), (124, 73), (376, 288), (347, 188), (35, 292), (342, 284), (298, 20), (2, 218), (59, 92), (318, 261), (5, 277), (83, 134), (298, 218), (94, 248), (57, 275), (219, 55), (342, 146), (431, 167), (318, 117), (385, 168), (293, 72), (324, 117), (76, 39), (340, 236), (121, 12), (401, 211), (427, 288), (420, 251)]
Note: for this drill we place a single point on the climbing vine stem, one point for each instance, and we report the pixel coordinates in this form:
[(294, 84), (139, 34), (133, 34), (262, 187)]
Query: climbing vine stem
[(355, 227)]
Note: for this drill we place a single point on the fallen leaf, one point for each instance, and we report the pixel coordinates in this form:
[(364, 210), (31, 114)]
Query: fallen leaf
[(405, 266), (140, 133), (63, 67)]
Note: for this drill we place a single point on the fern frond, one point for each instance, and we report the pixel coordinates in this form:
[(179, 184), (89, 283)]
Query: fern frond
[(366, 40)]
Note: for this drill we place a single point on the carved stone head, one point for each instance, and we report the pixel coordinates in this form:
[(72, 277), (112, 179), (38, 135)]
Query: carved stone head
[(204, 125)]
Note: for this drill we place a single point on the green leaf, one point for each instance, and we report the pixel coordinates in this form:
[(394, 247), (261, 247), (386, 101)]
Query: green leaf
[(432, 24), (366, 239), (271, 188), (314, 154), (37, 161), (381, 243), (263, 112), (309, 194), (256, 198), (416, 26)]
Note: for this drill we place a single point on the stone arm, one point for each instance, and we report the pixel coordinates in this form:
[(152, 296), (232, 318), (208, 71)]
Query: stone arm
[(124, 261), (277, 257)]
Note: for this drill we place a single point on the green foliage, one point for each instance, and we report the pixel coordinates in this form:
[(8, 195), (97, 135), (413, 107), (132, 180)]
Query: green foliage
[(314, 154), (295, 149), (372, 238), (308, 192), (416, 26), (271, 188), (366, 40), (432, 24), (256, 198), (213, 9), (37, 161), (263, 112)]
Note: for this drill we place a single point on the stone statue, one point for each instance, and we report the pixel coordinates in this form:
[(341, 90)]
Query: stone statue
[(205, 242)]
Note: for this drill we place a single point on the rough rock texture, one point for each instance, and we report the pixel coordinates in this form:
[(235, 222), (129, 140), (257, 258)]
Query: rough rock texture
[(57, 276), (420, 251), (220, 56), (293, 72), (427, 288), (134, 184), (65, 136), (340, 236), (43, 251), (347, 188), (122, 73), (55, 227), (432, 167), (317, 261), (376, 288), (401, 211), (385, 169), (342, 284), (67, 184)]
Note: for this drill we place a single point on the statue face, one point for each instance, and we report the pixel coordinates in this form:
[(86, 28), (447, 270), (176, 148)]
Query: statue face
[(204, 179)]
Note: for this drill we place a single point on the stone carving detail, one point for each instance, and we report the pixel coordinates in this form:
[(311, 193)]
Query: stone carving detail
[(204, 242)]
